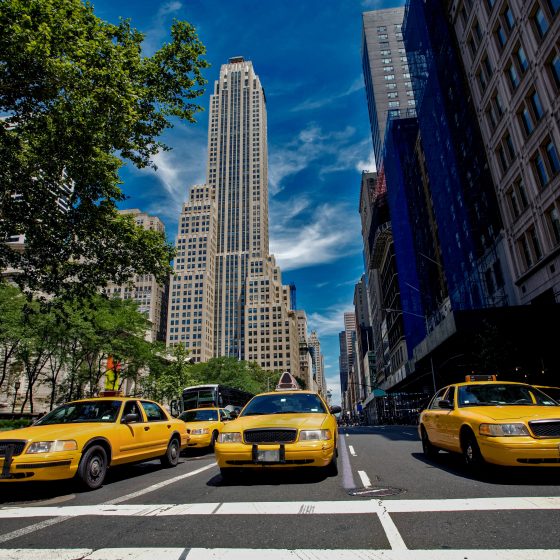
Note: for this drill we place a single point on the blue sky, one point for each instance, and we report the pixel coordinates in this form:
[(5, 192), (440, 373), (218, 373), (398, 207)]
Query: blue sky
[(307, 55)]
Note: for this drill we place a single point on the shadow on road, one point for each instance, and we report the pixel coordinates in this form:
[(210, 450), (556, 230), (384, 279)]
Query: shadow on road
[(503, 476), (393, 433), (269, 477)]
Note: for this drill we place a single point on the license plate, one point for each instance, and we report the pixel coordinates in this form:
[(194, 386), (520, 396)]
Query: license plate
[(268, 455)]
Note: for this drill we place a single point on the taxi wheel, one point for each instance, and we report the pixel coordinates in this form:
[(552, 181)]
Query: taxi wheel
[(471, 454), (171, 457), (214, 439), (93, 467), (429, 450)]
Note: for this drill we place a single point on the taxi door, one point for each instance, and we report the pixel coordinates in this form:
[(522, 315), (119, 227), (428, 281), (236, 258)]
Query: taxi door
[(431, 418), (449, 422), (158, 428), (132, 437)]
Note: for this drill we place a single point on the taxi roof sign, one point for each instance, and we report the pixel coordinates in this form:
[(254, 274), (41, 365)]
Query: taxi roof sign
[(470, 378), (287, 382)]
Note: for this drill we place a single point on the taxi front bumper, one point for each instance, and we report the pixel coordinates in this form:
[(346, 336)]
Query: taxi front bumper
[(199, 440), (308, 454), (40, 466), (521, 451)]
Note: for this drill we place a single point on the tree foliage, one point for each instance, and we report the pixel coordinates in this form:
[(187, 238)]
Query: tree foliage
[(81, 98)]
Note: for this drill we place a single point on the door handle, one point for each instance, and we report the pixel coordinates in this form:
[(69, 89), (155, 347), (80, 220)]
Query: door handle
[(146, 428), (168, 426)]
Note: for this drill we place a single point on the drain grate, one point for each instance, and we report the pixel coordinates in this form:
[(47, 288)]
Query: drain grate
[(374, 492)]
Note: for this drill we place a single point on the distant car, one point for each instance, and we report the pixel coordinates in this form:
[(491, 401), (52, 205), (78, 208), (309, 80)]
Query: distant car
[(204, 425), (504, 423), (84, 438), (286, 428)]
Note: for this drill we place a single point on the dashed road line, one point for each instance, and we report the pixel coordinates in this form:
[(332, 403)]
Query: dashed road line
[(366, 482), (352, 452)]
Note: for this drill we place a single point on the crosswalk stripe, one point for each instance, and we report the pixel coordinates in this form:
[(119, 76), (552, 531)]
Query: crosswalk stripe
[(284, 508), (273, 554)]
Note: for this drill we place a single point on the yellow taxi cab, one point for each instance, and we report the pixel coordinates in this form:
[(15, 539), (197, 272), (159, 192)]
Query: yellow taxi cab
[(489, 421), (84, 438), (204, 425), (289, 427)]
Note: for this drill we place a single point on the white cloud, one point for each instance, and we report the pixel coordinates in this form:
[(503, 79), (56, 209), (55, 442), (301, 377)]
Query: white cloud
[(331, 230), (317, 102), (161, 26), (311, 145), (367, 164), (331, 322), (178, 169)]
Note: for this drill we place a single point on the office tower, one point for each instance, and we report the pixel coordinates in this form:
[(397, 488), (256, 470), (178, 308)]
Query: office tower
[(305, 352), (512, 60), (386, 74), (347, 340), (191, 301), (150, 296), (224, 254), (318, 362)]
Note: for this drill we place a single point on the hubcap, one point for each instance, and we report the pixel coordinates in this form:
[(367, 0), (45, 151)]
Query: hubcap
[(469, 453), (174, 451), (95, 468)]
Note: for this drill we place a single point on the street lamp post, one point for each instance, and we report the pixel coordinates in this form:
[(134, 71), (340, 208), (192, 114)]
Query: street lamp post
[(17, 385)]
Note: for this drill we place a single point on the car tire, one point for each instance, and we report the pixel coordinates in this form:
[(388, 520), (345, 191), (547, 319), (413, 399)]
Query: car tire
[(471, 454), (214, 439), (93, 467), (430, 450), (171, 457)]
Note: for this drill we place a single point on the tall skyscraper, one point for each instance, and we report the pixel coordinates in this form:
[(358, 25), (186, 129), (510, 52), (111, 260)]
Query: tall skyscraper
[(252, 313), (386, 74)]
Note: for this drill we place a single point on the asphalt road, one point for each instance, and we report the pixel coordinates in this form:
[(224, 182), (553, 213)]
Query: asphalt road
[(387, 502)]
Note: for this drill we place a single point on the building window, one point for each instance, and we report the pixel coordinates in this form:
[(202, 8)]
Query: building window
[(540, 170), (554, 68), (553, 221), (513, 77), (522, 61), (392, 94), (531, 112), (383, 37), (505, 153), (501, 37), (391, 86), (387, 69), (540, 21), (508, 18), (394, 104), (389, 77)]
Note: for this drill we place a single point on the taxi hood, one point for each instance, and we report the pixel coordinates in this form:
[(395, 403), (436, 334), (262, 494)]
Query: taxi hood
[(304, 420), (515, 413), (52, 432)]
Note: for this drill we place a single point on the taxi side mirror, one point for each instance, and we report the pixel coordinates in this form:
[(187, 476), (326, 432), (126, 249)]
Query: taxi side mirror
[(445, 404), (335, 409), (130, 418)]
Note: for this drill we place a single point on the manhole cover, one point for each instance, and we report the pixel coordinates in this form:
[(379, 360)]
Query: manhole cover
[(372, 492)]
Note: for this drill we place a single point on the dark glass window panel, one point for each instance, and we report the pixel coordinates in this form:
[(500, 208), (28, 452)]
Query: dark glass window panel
[(522, 59), (527, 121), (537, 106), (552, 155), (541, 22), (542, 173), (509, 19)]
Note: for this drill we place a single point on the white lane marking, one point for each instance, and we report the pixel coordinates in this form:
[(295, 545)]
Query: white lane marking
[(59, 519), (285, 508), (366, 482), (393, 535), (352, 452), (347, 476), (159, 485), (273, 554), (408, 433)]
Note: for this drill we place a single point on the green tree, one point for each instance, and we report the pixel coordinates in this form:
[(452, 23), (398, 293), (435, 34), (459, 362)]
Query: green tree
[(80, 98), (12, 303), (247, 376)]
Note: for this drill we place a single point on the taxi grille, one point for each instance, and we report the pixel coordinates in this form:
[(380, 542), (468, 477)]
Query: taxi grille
[(17, 444), (545, 428), (270, 436)]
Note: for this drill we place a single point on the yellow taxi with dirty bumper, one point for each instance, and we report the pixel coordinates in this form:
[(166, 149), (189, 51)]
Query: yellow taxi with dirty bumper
[(84, 438), (204, 425), (498, 422), (285, 428)]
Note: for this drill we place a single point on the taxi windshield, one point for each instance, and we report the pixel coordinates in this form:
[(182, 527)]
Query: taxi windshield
[(199, 415), (285, 403), (496, 394), (80, 412)]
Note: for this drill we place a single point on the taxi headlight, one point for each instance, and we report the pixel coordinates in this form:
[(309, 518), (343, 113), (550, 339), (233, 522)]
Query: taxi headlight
[(200, 431), (51, 446), (229, 437), (308, 435), (503, 430)]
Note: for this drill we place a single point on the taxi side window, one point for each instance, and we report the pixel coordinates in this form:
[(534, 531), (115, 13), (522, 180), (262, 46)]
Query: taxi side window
[(450, 396), (131, 407), (223, 415), (153, 412), (434, 405)]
